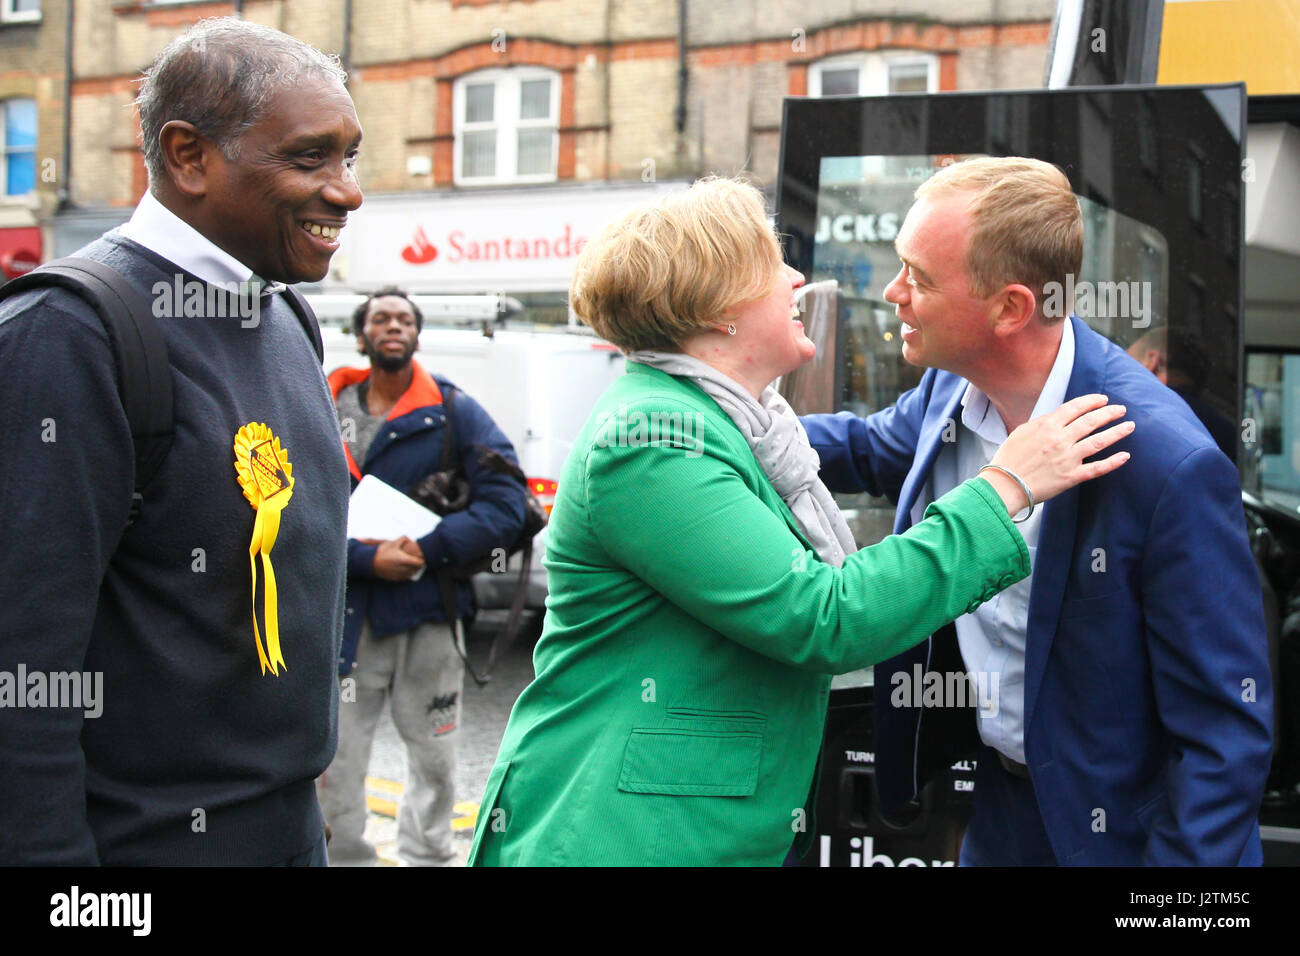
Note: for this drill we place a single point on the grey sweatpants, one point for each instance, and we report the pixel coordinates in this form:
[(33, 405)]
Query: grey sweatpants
[(421, 675)]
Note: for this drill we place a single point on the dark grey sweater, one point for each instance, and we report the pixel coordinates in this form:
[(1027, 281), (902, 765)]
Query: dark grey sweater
[(197, 757)]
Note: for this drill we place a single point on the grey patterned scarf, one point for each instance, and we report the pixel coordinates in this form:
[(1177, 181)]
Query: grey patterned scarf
[(779, 443)]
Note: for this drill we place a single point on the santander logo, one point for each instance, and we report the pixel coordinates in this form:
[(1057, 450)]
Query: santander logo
[(525, 244), (421, 250)]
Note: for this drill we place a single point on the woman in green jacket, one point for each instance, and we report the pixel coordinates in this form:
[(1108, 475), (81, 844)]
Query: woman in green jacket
[(704, 587)]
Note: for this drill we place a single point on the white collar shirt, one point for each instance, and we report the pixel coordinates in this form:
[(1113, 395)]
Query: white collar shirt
[(160, 230), (992, 638)]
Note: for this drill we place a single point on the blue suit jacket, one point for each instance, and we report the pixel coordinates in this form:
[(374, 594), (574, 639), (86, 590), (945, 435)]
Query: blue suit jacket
[(1148, 697)]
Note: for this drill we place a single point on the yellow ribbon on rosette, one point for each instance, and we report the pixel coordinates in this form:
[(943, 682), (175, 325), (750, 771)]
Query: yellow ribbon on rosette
[(266, 477)]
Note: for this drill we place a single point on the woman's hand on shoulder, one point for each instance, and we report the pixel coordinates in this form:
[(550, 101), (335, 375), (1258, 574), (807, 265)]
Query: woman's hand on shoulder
[(1048, 452)]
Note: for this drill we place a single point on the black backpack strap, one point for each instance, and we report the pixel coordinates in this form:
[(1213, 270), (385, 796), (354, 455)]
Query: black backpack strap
[(144, 380), (447, 582), (506, 636), (503, 638), (448, 433), (307, 318), (447, 590)]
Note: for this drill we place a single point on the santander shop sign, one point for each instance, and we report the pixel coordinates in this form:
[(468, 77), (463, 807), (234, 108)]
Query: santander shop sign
[(524, 240), (462, 247)]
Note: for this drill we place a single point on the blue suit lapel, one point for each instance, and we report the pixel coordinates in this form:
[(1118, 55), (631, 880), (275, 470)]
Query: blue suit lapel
[(1056, 533), (928, 443)]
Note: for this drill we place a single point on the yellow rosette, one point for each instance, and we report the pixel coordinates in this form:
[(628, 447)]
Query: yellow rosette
[(266, 478)]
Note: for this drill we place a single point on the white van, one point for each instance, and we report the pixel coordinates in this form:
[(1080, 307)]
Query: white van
[(538, 383)]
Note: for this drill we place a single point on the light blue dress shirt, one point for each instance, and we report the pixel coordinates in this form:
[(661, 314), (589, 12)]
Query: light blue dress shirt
[(992, 639)]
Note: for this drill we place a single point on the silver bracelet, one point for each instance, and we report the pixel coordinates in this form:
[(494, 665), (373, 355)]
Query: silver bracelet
[(1023, 487)]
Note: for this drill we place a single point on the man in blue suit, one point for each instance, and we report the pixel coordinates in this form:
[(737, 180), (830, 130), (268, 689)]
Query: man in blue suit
[(1131, 722)]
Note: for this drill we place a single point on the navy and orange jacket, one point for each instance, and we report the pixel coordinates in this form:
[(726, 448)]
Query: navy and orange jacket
[(407, 449)]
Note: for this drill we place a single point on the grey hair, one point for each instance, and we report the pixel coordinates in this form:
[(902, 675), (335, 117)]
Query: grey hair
[(221, 75)]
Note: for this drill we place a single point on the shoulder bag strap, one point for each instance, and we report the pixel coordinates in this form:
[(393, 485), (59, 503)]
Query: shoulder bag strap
[(143, 373)]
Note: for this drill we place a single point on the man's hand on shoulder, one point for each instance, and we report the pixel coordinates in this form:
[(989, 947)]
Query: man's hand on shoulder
[(397, 559)]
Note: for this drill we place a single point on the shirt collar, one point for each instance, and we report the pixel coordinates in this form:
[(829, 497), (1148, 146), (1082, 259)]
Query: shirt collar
[(979, 415), (157, 228)]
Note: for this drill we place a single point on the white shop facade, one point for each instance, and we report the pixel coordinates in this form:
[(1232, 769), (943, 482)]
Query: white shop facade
[(521, 243)]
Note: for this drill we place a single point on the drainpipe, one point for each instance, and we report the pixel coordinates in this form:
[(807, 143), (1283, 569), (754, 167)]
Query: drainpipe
[(681, 67), (65, 188), (346, 57), (609, 106)]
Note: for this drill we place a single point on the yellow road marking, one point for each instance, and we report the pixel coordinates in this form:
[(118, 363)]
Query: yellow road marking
[(387, 786), (466, 811), (466, 816)]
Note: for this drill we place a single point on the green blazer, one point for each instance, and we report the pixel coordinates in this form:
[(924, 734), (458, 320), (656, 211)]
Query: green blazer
[(691, 634)]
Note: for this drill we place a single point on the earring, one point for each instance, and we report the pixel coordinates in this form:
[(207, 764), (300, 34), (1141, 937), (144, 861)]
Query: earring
[(731, 328)]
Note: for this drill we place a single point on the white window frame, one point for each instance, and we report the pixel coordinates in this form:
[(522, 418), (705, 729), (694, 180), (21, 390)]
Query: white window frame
[(873, 69), (4, 151), (10, 14), (505, 119)]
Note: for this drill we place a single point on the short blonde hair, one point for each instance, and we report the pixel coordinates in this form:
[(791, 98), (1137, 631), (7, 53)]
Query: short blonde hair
[(1026, 225), (675, 265)]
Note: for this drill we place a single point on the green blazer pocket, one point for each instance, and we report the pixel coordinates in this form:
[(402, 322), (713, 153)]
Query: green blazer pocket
[(701, 763)]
